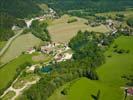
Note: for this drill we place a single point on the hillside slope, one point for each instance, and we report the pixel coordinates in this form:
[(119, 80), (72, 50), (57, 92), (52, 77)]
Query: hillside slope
[(88, 5), (19, 8), (11, 11)]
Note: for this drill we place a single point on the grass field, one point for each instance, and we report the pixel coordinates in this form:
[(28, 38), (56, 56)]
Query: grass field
[(8, 71), (127, 14), (20, 44), (2, 43), (41, 58), (61, 31), (110, 73)]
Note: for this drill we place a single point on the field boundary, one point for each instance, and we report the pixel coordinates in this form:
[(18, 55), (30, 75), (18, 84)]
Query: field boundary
[(5, 48)]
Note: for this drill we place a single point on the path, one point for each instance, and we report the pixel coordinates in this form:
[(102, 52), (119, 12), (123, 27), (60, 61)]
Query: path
[(18, 91), (9, 42)]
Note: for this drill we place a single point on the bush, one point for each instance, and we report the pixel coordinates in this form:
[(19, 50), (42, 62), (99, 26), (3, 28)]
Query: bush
[(121, 51), (72, 20), (64, 91), (115, 46), (130, 22)]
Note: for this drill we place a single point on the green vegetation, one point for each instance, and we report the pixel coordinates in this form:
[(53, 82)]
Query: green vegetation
[(11, 12), (24, 79), (40, 30), (2, 44), (61, 31), (9, 71), (72, 20), (6, 24), (42, 58), (87, 7), (130, 22), (9, 95), (111, 76), (20, 9), (87, 56), (19, 45)]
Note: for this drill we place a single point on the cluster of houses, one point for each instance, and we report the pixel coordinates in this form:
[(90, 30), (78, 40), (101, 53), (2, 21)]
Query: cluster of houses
[(58, 50), (51, 14), (63, 57)]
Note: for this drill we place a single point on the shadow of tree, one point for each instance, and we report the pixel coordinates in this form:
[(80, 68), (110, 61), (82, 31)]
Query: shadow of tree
[(96, 97)]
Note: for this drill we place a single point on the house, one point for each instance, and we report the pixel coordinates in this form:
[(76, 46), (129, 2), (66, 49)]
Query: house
[(58, 58), (31, 69), (67, 56), (46, 49), (30, 50), (130, 91)]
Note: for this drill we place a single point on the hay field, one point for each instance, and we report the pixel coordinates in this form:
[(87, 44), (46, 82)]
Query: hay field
[(61, 31), (20, 44)]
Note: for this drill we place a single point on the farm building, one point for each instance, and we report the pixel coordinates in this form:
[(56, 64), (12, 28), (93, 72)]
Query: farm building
[(30, 50), (130, 91), (59, 58), (45, 49)]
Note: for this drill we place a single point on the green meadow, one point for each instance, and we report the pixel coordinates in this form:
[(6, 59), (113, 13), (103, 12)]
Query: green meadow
[(8, 71), (110, 74), (20, 44)]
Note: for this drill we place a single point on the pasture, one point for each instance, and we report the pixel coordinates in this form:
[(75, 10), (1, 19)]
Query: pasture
[(62, 31), (20, 44), (8, 71), (110, 76)]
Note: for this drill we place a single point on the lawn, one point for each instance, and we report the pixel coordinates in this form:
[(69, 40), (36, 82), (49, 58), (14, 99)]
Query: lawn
[(20, 44), (61, 31), (110, 81)]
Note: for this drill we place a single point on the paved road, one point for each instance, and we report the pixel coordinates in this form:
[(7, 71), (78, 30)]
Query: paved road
[(9, 42)]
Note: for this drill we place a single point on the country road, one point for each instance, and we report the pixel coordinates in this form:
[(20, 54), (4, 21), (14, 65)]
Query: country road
[(20, 90), (9, 42)]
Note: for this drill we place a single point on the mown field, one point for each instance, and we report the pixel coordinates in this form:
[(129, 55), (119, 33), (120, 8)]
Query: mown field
[(61, 31), (110, 76), (20, 44), (8, 71)]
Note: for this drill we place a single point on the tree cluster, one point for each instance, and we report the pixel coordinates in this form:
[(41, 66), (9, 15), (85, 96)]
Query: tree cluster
[(40, 30)]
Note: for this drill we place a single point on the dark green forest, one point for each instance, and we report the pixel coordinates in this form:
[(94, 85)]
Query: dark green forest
[(85, 6), (10, 13), (19, 8), (12, 10), (40, 30)]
